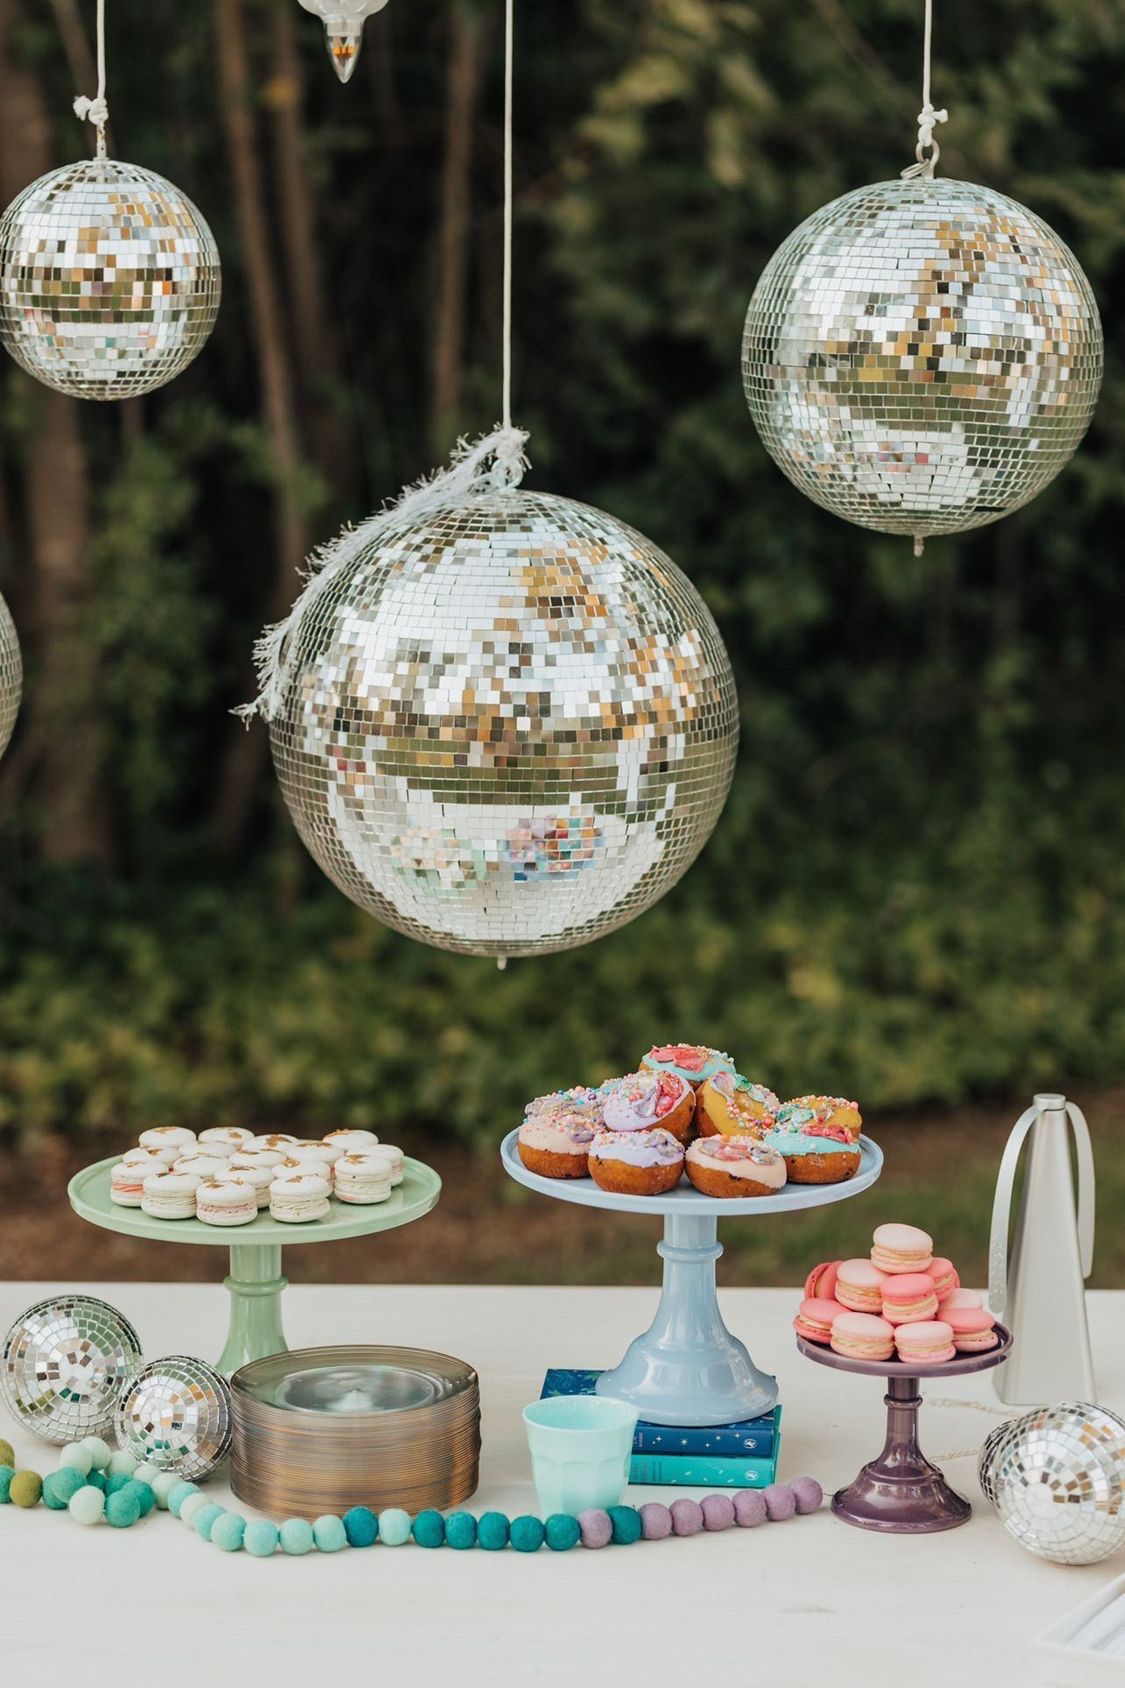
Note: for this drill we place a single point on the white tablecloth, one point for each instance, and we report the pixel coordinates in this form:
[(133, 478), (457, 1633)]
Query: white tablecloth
[(804, 1604)]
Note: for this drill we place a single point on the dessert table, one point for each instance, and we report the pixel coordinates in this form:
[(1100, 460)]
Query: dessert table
[(803, 1604)]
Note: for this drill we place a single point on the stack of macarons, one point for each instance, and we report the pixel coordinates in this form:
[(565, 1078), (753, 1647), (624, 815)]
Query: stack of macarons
[(226, 1175), (900, 1302)]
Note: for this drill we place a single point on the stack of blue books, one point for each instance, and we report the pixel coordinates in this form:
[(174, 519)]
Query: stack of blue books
[(722, 1456)]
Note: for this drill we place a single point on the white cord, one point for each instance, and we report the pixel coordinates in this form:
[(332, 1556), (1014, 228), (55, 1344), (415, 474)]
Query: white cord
[(96, 110), (927, 152), (509, 78), (974, 1406)]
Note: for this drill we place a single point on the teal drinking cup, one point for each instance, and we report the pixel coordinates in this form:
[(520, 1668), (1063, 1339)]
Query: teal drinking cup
[(580, 1450)]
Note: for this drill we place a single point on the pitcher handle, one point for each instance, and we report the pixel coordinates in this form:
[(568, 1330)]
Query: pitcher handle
[(1002, 1212), (1084, 1161)]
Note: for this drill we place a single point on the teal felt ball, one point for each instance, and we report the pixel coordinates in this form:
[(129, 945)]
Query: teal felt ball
[(60, 1485), (180, 1493), (429, 1528), (97, 1479), (461, 1530), (204, 1518), (261, 1538), (394, 1526), (122, 1510), (296, 1536), (76, 1458), (228, 1531), (493, 1530), (329, 1533), (527, 1534), (361, 1526), (146, 1498), (100, 1452), (87, 1506), (562, 1532), (7, 1472), (626, 1521), (116, 1481)]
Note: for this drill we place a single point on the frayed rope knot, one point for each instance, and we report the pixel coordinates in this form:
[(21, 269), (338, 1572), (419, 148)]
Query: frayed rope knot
[(928, 118), (96, 110), (495, 463)]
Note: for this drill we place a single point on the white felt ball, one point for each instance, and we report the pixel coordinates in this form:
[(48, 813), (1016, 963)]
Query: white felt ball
[(192, 1505), (100, 1452), (87, 1506), (77, 1457)]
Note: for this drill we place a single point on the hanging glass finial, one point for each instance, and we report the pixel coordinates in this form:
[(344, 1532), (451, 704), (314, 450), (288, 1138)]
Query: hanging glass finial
[(343, 24)]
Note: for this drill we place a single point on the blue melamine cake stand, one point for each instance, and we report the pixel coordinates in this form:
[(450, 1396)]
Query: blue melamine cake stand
[(687, 1368)]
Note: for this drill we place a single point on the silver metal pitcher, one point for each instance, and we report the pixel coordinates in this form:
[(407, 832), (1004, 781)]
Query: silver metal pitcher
[(1040, 1292)]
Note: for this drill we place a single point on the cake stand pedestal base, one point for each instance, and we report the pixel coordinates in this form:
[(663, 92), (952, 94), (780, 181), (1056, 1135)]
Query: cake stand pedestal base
[(901, 1490), (687, 1368), (255, 1285)]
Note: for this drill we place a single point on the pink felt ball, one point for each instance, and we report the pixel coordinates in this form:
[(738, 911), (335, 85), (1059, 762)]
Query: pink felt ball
[(596, 1527), (687, 1517), (718, 1512), (656, 1521), (780, 1501), (749, 1508), (808, 1494)]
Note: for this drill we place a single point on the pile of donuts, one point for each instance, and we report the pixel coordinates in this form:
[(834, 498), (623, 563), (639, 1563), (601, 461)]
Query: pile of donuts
[(902, 1302), (226, 1175), (688, 1110)]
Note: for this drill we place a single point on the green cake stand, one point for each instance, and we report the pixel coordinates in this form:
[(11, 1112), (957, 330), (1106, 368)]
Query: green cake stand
[(255, 1282)]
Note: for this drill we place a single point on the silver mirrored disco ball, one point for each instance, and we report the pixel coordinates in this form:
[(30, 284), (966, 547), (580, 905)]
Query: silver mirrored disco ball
[(507, 725), (176, 1414), (109, 280), (1056, 1477), (11, 676), (922, 356), (64, 1365)]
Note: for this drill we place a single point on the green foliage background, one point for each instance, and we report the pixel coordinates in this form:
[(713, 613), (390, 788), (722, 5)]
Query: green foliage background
[(916, 889)]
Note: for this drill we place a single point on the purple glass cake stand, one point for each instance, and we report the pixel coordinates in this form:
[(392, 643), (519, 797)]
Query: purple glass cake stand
[(901, 1491)]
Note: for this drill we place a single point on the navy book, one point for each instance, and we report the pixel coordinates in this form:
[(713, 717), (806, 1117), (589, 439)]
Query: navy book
[(751, 1437)]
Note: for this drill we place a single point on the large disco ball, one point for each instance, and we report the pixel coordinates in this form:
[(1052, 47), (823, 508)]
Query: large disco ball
[(507, 725), (64, 1364), (109, 280), (176, 1414), (11, 676), (922, 356), (1056, 1477)]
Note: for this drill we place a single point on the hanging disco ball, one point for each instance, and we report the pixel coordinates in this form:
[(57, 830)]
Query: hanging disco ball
[(176, 1414), (109, 280), (64, 1364), (1056, 1477), (11, 676), (507, 726), (922, 356)]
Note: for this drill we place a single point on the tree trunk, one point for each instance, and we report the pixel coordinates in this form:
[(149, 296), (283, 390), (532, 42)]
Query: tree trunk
[(462, 85), (63, 745), (246, 755)]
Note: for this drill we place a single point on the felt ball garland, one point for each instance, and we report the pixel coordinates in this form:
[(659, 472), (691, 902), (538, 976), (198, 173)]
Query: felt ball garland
[(94, 1486)]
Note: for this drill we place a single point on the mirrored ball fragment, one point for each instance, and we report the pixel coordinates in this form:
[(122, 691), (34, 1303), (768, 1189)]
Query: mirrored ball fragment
[(176, 1415), (506, 726), (65, 1362), (922, 357), (11, 676), (1057, 1481), (109, 280)]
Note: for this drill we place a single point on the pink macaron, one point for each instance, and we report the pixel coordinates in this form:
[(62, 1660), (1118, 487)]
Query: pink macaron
[(964, 1298), (927, 1343), (909, 1297), (902, 1248), (859, 1286), (821, 1281), (815, 1318), (944, 1274), (861, 1336), (973, 1328)]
